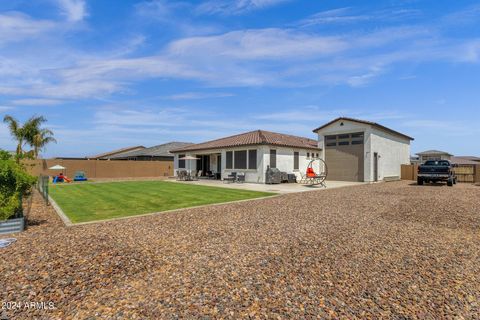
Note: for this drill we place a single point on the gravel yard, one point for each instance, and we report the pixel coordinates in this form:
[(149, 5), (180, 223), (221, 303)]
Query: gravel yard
[(391, 250)]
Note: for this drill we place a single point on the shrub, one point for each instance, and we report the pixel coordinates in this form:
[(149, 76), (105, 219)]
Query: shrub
[(14, 183), (4, 155)]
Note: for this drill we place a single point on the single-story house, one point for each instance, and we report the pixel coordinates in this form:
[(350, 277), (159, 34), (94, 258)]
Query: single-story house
[(421, 157), (354, 150), (108, 154), (160, 152), (359, 150), (250, 153), (434, 155), (463, 161), (471, 158)]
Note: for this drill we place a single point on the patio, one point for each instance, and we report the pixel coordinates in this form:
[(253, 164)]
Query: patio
[(282, 188)]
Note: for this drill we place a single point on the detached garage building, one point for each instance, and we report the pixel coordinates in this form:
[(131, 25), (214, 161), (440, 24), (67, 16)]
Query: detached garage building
[(358, 150)]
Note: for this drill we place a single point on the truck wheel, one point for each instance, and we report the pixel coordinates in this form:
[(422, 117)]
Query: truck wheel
[(455, 181), (450, 182), (420, 181)]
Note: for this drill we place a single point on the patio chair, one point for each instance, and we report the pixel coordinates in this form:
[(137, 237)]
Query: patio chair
[(182, 175), (241, 178), (210, 175), (192, 176), (232, 177)]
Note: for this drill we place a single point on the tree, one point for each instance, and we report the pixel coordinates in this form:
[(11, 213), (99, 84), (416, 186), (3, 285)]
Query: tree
[(41, 139), (17, 132), (31, 133)]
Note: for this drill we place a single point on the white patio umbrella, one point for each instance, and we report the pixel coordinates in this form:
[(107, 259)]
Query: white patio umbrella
[(59, 167), (189, 158)]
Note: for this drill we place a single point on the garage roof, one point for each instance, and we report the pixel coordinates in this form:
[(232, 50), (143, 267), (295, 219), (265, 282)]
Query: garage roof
[(374, 124)]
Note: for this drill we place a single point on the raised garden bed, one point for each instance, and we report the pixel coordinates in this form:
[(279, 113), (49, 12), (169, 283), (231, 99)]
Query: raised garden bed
[(12, 225)]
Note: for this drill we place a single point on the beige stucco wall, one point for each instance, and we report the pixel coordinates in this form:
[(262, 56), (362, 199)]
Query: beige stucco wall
[(392, 149)]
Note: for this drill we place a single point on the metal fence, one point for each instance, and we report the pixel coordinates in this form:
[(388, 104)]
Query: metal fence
[(42, 187), (27, 200)]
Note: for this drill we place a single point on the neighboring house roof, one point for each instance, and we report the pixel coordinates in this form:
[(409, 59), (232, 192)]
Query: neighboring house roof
[(257, 137), (461, 160), (471, 158), (115, 152), (377, 125), (433, 152), (162, 150)]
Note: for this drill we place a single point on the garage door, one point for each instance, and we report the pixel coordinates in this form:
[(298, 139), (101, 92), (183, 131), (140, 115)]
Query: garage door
[(344, 156)]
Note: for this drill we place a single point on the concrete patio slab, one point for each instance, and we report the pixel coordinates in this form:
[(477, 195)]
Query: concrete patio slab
[(277, 188)]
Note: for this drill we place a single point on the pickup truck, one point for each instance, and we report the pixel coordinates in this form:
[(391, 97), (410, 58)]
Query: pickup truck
[(435, 171)]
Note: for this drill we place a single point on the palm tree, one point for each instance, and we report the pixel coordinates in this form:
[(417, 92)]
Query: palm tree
[(17, 132), (41, 139), (31, 133)]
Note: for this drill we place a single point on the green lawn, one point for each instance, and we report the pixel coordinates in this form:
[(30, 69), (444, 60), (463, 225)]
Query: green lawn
[(98, 201)]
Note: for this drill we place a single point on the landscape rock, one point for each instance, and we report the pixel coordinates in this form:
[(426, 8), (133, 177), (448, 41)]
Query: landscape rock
[(390, 250)]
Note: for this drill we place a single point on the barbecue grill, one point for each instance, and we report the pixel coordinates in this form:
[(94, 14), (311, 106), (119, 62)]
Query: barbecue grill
[(273, 176)]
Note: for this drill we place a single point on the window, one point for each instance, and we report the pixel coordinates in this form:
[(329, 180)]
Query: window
[(331, 141), (240, 159), (229, 158), (318, 156), (181, 163), (357, 135), (331, 138), (252, 159), (344, 139), (308, 155), (357, 138), (273, 158), (295, 160)]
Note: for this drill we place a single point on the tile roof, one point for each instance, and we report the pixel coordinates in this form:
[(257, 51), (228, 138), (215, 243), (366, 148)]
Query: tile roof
[(257, 137), (161, 150), (379, 126)]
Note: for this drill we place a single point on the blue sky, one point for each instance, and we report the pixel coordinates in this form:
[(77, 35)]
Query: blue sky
[(110, 74)]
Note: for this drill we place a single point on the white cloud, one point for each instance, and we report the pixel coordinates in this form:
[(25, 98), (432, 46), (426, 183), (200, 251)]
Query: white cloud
[(347, 15), (463, 17), (258, 44), (364, 79), (471, 51), (16, 26), (442, 127), (160, 10), (36, 102), (273, 57), (5, 108), (199, 95), (73, 10), (226, 7), (339, 15)]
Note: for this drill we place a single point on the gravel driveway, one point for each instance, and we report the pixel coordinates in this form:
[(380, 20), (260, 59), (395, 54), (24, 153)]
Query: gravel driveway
[(390, 250)]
